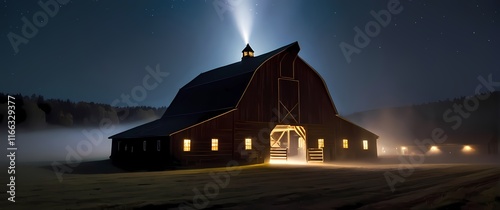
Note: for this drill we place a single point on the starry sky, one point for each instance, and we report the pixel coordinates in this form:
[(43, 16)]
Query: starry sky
[(99, 50)]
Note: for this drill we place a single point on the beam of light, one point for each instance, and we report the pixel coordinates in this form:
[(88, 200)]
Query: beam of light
[(243, 18)]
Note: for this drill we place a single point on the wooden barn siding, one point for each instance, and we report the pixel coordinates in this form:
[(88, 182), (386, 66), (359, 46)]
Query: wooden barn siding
[(318, 131), (260, 101), (139, 153), (129, 143), (355, 135), (201, 142), (259, 132), (259, 105), (114, 149), (315, 104)]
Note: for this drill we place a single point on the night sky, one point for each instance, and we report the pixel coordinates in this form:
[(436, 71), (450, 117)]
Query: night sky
[(98, 50)]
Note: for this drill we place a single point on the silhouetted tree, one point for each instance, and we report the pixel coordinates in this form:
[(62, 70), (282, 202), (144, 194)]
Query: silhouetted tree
[(45, 107), (36, 110), (3, 98), (20, 111)]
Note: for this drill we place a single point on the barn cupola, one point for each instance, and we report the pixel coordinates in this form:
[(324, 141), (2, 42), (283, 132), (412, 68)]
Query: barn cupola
[(247, 52)]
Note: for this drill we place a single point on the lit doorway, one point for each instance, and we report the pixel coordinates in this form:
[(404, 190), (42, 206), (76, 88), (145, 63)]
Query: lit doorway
[(288, 144)]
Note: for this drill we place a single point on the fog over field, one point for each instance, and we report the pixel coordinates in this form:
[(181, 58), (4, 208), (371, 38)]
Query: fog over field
[(56, 143), (391, 181), (59, 143)]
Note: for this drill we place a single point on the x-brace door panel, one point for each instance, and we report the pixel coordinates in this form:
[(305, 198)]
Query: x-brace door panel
[(288, 101)]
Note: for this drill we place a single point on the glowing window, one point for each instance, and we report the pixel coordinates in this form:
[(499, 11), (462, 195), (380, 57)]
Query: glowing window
[(321, 143), (245, 53), (365, 144), (144, 145), (187, 145), (345, 143), (248, 144), (215, 144), (158, 145), (250, 54)]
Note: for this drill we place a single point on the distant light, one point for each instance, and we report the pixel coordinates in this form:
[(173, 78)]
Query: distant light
[(404, 150), (434, 149), (467, 149)]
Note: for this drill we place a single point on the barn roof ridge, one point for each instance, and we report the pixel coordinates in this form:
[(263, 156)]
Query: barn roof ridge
[(244, 68), (209, 94)]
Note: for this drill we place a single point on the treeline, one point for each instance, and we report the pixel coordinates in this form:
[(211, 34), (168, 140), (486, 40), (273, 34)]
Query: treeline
[(462, 118), (36, 112), (483, 108)]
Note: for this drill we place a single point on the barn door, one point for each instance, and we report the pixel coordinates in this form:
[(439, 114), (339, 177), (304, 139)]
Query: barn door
[(288, 101)]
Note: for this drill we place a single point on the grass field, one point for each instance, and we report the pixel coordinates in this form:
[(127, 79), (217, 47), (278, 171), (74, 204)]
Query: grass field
[(98, 185)]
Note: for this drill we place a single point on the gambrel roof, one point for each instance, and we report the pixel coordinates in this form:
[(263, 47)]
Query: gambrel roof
[(210, 94)]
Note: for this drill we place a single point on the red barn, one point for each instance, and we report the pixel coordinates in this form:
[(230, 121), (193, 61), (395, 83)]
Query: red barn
[(264, 108)]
